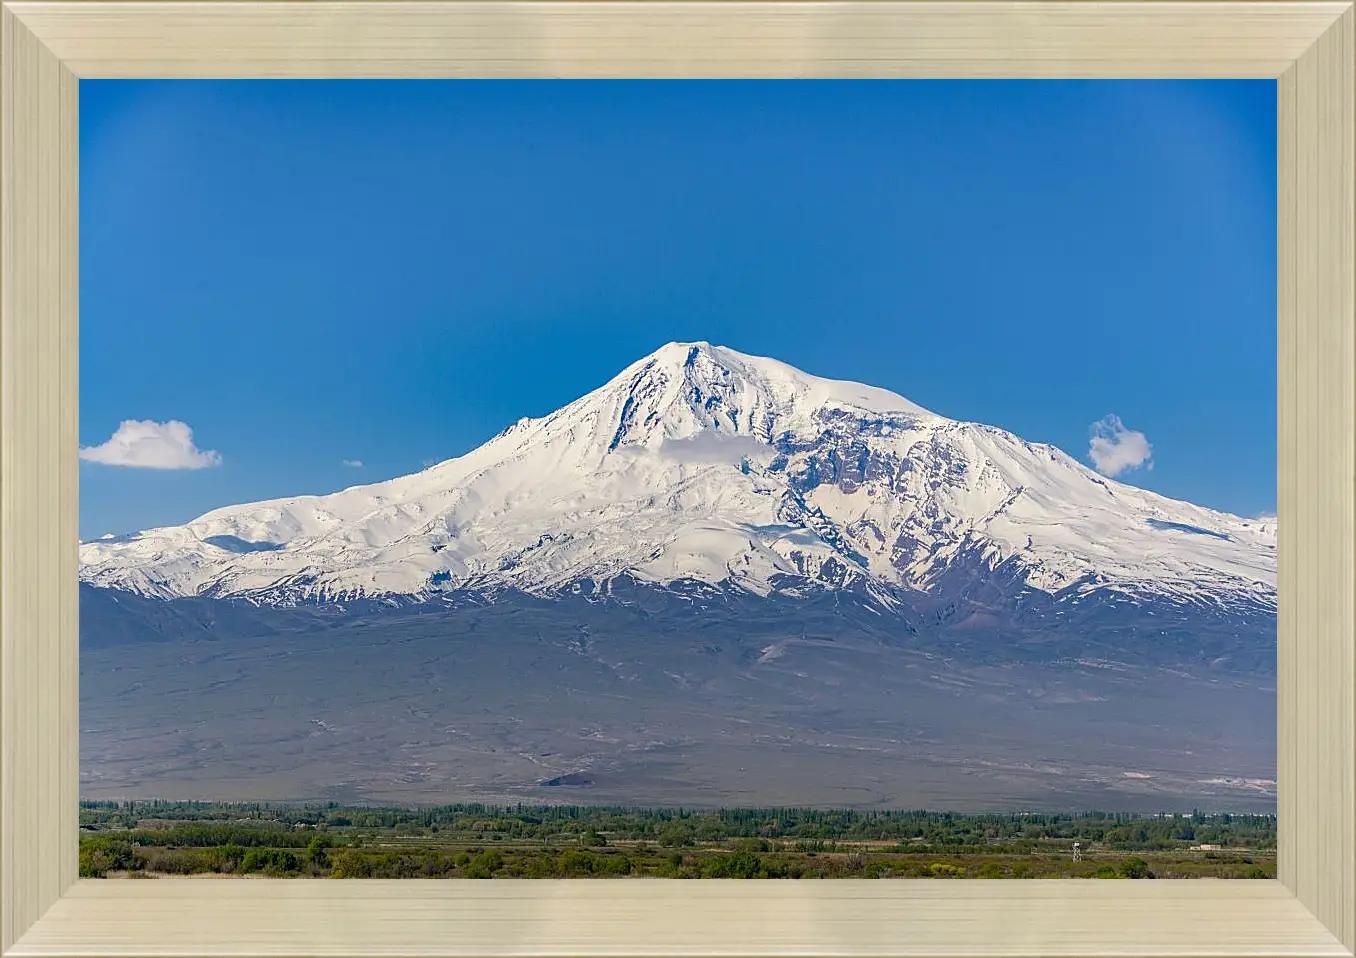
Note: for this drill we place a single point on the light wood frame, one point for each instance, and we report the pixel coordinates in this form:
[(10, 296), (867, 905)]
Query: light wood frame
[(47, 47)]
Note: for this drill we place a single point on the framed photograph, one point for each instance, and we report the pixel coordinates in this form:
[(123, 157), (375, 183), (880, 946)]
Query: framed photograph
[(647, 606)]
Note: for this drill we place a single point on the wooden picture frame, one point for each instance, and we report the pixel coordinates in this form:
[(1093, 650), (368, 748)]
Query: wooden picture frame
[(1309, 47)]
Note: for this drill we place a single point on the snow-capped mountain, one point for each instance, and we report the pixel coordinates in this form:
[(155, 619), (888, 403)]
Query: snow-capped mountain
[(713, 577), (698, 464)]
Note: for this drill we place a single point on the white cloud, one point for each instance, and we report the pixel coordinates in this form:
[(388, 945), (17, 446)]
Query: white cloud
[(1115, 449), (144, 444), (352, 463)]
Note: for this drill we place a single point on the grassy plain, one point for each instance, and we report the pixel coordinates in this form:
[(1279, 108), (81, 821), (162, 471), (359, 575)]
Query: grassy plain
[(148, 839)]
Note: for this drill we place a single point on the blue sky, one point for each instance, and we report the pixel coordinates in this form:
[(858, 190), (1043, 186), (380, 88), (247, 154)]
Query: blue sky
[(315, 274)]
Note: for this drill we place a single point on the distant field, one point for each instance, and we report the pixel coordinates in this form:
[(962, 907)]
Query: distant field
[(150, 839)]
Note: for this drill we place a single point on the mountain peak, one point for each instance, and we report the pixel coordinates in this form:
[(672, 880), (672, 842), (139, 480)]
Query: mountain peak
[(685, 387), (685, 348)]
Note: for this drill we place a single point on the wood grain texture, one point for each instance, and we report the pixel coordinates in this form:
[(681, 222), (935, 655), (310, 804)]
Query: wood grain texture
[(45, 46), (866, 38), (38, 441), (627, 917), (1316, 724), (1287, 500)]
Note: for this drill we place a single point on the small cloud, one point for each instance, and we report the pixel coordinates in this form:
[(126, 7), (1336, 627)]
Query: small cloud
[(431, 462), (1115, 449), (144, 444), (352, 463)]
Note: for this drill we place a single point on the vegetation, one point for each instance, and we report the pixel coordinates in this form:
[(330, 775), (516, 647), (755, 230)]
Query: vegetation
[(479, 841)]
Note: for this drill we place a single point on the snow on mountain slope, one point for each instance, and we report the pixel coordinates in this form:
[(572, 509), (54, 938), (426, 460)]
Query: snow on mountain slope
[(701, 463)]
